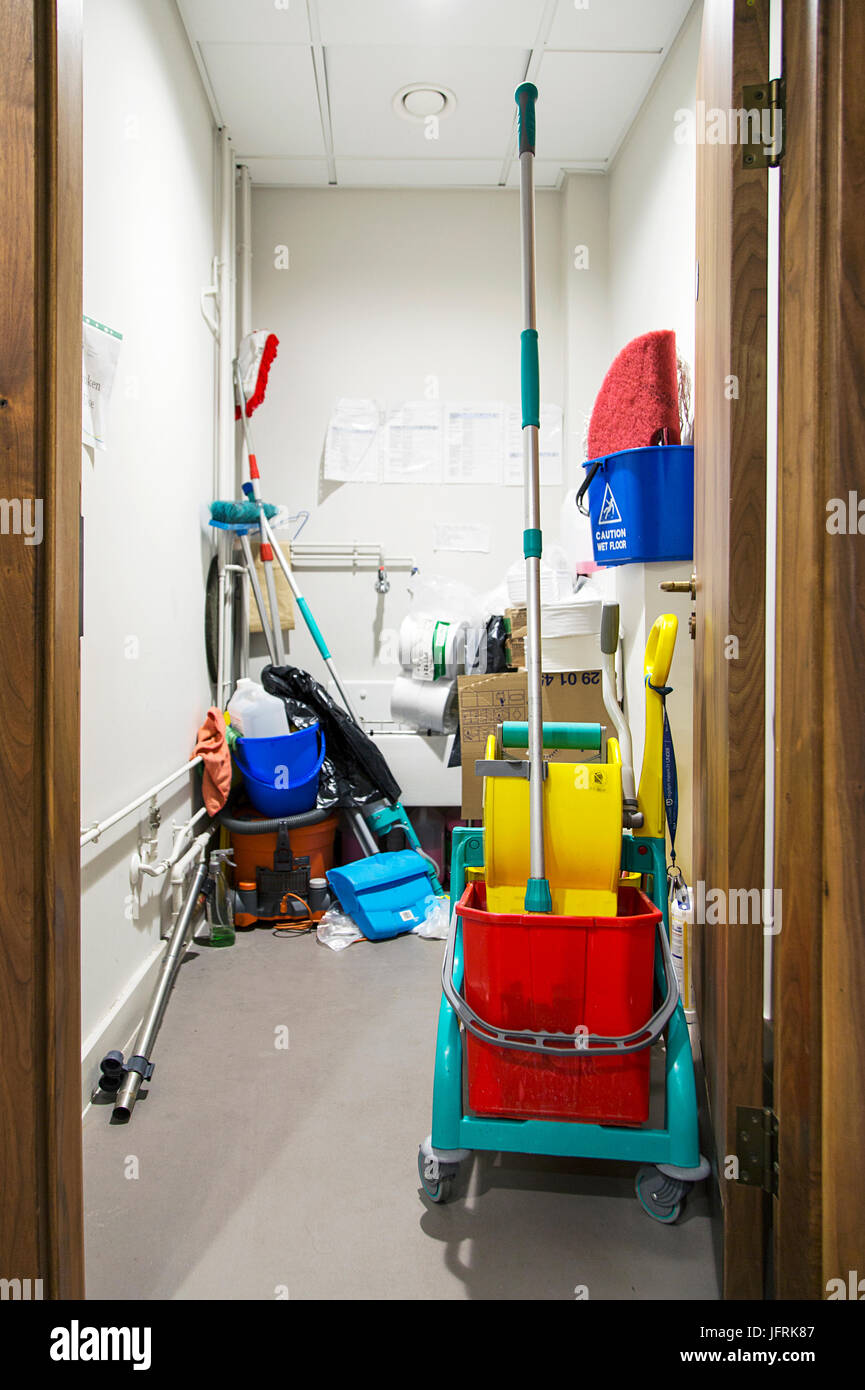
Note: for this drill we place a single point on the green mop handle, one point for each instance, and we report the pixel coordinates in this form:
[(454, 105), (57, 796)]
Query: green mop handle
[(538, 897)]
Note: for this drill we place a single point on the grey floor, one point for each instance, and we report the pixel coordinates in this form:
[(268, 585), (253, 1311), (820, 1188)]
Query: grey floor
[(254, 1172)]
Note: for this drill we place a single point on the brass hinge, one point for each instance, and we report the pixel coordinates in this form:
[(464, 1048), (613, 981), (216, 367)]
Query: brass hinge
[(757, 1147), (764, 108)]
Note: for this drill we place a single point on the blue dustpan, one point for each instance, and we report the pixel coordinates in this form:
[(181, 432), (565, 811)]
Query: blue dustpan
[(385, 894)]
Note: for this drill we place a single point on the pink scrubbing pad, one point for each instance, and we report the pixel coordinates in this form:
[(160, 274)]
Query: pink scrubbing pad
[(639, 397)]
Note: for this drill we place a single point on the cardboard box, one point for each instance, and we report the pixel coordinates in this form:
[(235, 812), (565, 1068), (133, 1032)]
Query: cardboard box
[(284, 600), (515, 620), (485, 701)]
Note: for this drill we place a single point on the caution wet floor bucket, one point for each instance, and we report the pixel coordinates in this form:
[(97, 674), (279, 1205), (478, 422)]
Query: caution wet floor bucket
[(641, 504)]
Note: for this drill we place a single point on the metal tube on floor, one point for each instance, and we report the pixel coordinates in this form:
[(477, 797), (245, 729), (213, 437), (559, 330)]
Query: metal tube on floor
[(139, 1065)]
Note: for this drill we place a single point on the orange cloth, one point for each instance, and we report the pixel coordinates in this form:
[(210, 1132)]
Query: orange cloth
[(212, 746)]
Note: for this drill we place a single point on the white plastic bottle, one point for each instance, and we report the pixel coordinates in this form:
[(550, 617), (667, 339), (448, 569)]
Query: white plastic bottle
[(254, 713), (681, 942)]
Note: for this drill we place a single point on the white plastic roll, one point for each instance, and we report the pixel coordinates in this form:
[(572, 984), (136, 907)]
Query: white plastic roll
[(431, 648), (425, 704)]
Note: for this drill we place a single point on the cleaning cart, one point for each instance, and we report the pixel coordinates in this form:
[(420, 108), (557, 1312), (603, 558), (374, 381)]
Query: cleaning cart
[(558, 977), (508, 1077)]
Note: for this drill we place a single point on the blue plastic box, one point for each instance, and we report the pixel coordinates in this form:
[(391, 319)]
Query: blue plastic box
[(386, 894)]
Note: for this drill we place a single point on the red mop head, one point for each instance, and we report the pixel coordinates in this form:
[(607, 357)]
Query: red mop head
[(639, 397), (254, 356)]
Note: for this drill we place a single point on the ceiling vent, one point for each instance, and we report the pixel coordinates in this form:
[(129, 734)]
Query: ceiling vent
[(420, 100)]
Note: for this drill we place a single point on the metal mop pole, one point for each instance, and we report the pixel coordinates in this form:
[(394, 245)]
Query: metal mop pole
[(139, 1065), (266, 550), (538, 897), (252, 576)]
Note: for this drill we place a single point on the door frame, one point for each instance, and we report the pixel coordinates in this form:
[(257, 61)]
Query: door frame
[(41, 1213), (729, 657)]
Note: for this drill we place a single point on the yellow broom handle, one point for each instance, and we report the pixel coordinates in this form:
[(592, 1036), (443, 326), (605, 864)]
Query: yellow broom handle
[(656, 669)]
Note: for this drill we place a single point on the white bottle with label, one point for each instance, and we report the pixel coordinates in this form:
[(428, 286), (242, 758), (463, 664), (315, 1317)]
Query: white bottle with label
[(254, 713), (681, 941)]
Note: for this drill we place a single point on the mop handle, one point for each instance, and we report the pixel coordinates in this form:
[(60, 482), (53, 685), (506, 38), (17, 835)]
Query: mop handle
[(538, 897), (526, 95), (265, 551), (254, 476)]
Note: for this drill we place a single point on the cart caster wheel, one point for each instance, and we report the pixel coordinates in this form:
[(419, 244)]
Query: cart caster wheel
[(660, 1197), (437, 1179)]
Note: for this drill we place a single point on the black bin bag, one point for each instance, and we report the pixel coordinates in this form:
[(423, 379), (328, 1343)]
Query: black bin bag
[(354, 769)]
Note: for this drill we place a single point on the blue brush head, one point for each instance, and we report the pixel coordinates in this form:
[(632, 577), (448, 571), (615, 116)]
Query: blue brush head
[(240, 513)]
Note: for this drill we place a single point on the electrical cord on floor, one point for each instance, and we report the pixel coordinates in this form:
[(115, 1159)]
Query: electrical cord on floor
[(295, 931)]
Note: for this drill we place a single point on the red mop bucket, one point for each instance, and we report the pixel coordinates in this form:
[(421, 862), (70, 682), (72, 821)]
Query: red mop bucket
[(579, 991)]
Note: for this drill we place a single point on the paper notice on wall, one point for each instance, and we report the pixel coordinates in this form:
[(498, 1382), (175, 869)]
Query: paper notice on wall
[(351, 448), (461, 535), (474, 443), (101, 350), (412, 447), (549, 441)]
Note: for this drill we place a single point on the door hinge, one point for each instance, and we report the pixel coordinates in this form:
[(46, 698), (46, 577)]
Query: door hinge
[(763, 111), (757, 1147)]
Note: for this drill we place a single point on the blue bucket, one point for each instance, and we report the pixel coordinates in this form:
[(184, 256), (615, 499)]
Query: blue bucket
[(297, 751), (641, 504), (290, 786)]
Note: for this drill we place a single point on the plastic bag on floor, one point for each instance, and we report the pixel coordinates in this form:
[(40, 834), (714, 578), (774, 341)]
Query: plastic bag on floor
[(337, 930), (436, 922)]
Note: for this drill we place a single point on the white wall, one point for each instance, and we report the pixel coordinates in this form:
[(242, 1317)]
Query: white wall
[(385, 290), (148, 244), (652, 279)]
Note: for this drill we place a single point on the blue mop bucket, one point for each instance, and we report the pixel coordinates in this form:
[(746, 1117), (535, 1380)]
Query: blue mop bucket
[(281, 774), (641, 504)]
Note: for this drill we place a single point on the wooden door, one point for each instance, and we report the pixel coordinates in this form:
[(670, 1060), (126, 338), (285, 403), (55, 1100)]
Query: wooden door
[(819, 985), (40, 467), (730, 513)]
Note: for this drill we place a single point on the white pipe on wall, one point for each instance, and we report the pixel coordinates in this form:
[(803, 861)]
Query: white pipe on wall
[(92, 832), (244, 254), (181, 868), (244, 326), (226, 465), (182, 837)]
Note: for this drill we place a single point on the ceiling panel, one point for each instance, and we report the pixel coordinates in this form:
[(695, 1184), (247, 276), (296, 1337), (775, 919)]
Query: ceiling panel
[(617, 24), (261, 21), (362, 83), (267, 97), (599, 63), (449, 23), (416, 173), (299, 173), (577, 120)]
